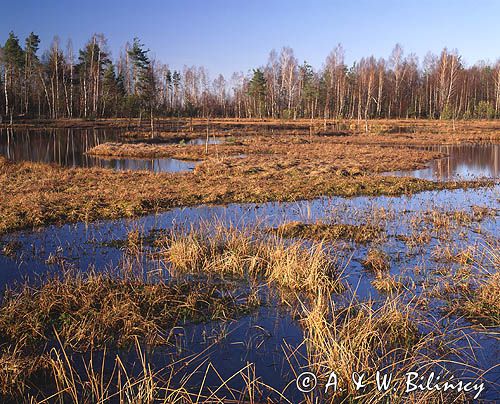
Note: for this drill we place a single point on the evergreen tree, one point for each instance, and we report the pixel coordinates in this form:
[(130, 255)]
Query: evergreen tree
[(144, 78), (310, 90), (31, 63), (257, 89), (31, 48), (13, 64), (93, 62), (114, 91)]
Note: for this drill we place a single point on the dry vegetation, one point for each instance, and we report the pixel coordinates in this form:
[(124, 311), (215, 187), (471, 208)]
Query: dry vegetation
[(282, 164), (233, 252), (37, 194), (377, 261), (211, 269), (380, 131), (482, 303), (330, 232), (371, 337), (92, 311), (207, 266)]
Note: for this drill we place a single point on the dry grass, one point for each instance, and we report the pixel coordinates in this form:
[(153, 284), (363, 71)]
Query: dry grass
[(474, 129), (38, 194), (283, 151), (104, 309), (88, 311), (10, 248), (178, 151), (480, 301), (377, 261), (233, 252), (451, 254), (365, 338), (95, 311), (323, 231), (103, 378), (283, 163), (473, 288), (387, 284), (408, 131), (84, 312)]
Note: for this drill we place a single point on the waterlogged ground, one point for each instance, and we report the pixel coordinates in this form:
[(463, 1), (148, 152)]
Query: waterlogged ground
[(261, 337), (461, 162), (431, 240), (70, 147)]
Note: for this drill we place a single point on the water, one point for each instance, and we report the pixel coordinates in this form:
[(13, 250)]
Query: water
[(259, 337), (203, 141), (462, 162), (158, 165), (68, 147)]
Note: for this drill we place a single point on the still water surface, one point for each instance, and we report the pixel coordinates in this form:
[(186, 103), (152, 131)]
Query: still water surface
[(462, 162), (68, 147)]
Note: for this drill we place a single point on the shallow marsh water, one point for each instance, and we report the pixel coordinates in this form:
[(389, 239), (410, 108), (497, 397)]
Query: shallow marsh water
[(260, 337), (461, 162), (94, 245), (68, 147)]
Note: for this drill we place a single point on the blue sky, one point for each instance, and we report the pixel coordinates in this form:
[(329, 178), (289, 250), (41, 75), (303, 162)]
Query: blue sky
[(227, 36)]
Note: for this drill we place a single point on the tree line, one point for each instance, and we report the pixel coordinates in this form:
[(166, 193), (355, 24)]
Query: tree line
[(60, 83)]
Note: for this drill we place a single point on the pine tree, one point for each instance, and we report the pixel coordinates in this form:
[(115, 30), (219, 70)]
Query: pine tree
[(13, 64), (31, 63), (144, 78), (93, 62), (257, 89), (113, 91), (309, 88)]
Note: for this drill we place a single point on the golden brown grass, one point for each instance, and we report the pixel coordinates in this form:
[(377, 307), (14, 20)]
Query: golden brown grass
[(477, 299), (282, 151), (394, 130), (106, 378), (217, 250), (178, 151), (284, 161), (364, 337), (104, 309), (377, 261), (88, 311), (94, 311), (83, 312), (38, 194), (10, 248), (387, 283), (322, 231)]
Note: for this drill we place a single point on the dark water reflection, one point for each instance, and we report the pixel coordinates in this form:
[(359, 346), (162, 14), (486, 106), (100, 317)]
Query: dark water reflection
[(465, 161), (68, 147)]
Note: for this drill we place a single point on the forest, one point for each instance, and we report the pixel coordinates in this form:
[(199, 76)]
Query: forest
[(63, 83)]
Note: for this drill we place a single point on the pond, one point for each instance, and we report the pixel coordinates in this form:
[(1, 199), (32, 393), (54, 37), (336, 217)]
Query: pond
[(68, 147), (462, 162)]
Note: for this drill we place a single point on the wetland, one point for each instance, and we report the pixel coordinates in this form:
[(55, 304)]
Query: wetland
[(280, 249)]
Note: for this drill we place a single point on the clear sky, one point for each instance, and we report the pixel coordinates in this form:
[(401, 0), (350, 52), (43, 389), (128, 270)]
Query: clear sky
[(228, 36)]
